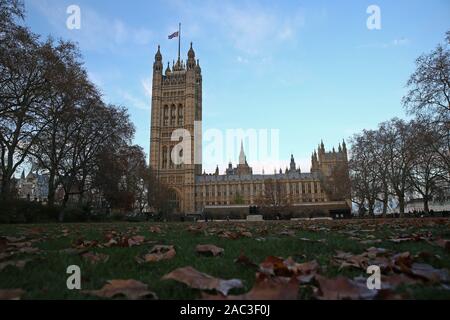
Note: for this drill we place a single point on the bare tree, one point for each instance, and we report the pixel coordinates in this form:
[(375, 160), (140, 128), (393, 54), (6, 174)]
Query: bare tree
[(397, 137), (68, 82), (429, 96), (158, 193), (364, 166), (426, 172), (274, 197), (120, 177), (24, 73)]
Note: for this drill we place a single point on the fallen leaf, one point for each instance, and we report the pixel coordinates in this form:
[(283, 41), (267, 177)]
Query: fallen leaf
[(155, 229), (429, 273), (265, 288), (15, 239), (209, 249), (135, 241), (131, 289), (244, 260), (443, 243), (94, 257), (158, 253), (198, 280), (342, 288), (16, 263), (11, 294)]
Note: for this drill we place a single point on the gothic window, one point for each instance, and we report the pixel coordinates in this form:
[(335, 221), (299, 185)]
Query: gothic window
[(170, 159), (164, 158), (180, 115), (172, 115), (166, 116), (180, 154)]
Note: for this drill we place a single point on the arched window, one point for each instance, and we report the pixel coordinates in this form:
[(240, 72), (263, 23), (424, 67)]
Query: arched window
[(166, 116), (170, 159), (164, 158), (172, 115), (180, 154), (180, 115)]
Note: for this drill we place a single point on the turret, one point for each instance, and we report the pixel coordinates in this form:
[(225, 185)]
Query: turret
[(157, 65), (292, 164), (242, 159), (191, 58), (168, 71)]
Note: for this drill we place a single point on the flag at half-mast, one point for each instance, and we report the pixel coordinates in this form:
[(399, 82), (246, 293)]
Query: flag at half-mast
[(174, 35)]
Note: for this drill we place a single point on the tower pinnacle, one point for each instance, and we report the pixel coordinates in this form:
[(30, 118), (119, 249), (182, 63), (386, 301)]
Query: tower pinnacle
[(242, 154)]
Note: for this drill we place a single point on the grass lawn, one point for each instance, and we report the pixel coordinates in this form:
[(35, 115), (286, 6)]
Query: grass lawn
[(44, 276)]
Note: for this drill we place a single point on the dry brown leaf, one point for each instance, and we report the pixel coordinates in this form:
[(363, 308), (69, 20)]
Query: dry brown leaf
[(443, 243), (427, 272), (94, 257), (135, 241), (11, 294), (342, 288), (130, 288), (15, 239), (16, 263), (158, 253), (82, 244), (199, 280), (209, 249), (265, 288), (244, 260), (155, 229)]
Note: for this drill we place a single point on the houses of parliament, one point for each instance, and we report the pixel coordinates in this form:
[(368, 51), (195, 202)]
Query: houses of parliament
[(177, 103)]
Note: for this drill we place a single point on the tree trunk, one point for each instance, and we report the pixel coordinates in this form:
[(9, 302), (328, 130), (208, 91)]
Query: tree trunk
[(51, 189), (426, 208), (6, 188), (385, 203), (401, 204)]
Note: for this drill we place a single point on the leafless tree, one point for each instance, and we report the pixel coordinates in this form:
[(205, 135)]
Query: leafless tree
[(274, 197), (364, 167), (427, 172), (68, 83), (429, 96), (24, 74)]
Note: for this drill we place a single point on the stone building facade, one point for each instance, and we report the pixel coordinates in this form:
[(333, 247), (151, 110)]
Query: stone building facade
[(177, 104)]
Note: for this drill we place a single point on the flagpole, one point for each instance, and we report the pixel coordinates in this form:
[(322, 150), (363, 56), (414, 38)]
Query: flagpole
[(179, 40)]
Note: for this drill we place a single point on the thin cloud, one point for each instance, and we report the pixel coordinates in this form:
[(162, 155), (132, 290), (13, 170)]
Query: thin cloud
[(384, 45), (250, 28), (97, 32)]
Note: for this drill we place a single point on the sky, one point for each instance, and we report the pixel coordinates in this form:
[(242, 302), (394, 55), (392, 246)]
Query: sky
[(310, 69)]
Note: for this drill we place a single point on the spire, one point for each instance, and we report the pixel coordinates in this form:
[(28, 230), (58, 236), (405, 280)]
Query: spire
[(292, 164), (157, 65), (191, 53), (344, 146), (191, 58), (168, 68), (242, 154), (158, 56), (217, 170)]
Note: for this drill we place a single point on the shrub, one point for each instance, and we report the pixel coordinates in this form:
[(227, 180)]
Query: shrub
[(24, 211)]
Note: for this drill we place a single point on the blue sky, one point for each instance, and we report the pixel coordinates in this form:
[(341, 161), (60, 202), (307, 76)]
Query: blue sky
[(311, 69)]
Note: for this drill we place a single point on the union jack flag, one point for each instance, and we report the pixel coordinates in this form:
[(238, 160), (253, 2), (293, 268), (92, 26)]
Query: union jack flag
[(173, 35)]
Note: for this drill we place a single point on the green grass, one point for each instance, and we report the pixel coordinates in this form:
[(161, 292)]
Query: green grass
[(45, 276)]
